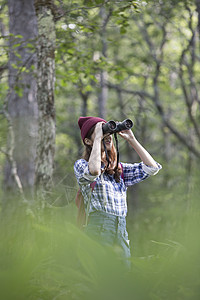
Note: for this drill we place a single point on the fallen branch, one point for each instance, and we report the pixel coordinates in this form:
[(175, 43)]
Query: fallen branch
[(10, 148)]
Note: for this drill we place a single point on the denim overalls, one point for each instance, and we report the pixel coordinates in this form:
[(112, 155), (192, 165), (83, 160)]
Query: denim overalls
[(109, 230)]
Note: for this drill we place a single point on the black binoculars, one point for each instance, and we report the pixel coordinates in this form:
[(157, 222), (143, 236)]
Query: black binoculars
[(114, 127)]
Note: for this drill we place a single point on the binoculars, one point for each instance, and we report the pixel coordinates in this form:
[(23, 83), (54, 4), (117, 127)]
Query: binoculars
[(114, 127)]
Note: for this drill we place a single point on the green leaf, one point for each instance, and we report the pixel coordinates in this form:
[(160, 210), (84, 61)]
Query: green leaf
[(88, 88), (19, 91), (16, 45), (19, 36), (122, 30), (29, 45), (14, 66)]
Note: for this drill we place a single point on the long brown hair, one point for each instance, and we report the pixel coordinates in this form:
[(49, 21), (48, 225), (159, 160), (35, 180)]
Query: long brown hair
[(112, 169)]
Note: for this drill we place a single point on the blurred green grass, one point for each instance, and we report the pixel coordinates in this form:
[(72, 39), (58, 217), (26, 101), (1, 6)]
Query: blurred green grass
[(43, 255)]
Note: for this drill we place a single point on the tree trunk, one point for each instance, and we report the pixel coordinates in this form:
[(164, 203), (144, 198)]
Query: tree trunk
[(45, 81), (198, 12), (22, 104), (103, 95)]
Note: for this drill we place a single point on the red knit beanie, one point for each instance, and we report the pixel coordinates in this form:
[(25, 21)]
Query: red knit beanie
[(86, 123)]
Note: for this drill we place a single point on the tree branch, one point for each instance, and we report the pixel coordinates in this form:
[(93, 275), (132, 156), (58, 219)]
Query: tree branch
[(189, 99), (127, 91), (156, 97)]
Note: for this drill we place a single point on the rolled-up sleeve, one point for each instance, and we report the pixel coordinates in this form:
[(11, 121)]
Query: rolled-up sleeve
[(134, 173), (151, 170), (82, 172)]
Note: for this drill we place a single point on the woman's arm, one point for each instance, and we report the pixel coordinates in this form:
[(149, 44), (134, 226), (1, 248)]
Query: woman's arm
[(94, 162), (141, 151)]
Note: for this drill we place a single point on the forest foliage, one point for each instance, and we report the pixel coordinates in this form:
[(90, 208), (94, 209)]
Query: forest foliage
[(150, 54)]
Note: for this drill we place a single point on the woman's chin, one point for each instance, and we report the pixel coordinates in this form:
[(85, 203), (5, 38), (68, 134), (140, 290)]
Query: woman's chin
[(108, 146)]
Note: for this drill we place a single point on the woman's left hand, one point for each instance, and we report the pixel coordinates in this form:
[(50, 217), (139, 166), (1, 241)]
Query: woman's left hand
[(126, 134)]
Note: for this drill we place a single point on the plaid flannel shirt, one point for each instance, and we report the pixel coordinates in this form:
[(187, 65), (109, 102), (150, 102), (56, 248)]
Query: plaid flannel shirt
[(108, 195)]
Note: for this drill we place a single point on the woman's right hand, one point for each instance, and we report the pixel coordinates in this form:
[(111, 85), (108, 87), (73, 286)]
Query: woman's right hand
[(98, 131)]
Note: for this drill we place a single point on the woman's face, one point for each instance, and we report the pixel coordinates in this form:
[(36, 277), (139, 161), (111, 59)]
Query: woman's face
[(108, 142)]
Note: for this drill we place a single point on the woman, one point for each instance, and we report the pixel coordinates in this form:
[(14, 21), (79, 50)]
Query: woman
[(106, 202)]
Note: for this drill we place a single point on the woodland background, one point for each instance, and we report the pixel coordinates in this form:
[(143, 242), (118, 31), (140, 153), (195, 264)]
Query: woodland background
[(114, 59)]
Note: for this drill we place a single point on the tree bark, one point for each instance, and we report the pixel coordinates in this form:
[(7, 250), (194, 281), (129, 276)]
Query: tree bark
[(103, 95), (45, 96), (198, 12), (22, 103)]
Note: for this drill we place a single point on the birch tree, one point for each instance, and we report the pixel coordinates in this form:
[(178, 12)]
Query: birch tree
[(45, 82)]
